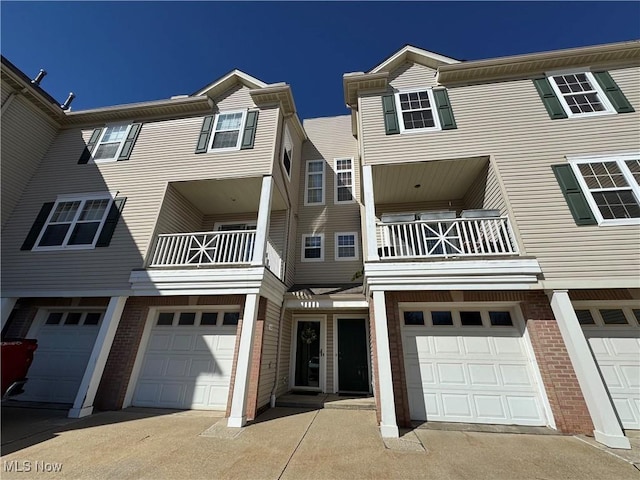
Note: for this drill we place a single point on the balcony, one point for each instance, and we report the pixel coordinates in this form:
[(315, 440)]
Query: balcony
[(210, 249), (427, 238)]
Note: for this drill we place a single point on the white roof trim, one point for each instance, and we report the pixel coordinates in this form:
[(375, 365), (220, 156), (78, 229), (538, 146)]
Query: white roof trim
[(430, 58), (244, 78)]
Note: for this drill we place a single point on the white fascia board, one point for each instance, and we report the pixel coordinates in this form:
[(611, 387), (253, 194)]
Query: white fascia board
[(594, 283), (316, 303), (529, 266), (403, 53), (23, 293), (237, 75), (222, 281), (272, 288)]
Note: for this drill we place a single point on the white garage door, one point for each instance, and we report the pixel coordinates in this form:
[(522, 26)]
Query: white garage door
[(65, 340), (614, 337), (188, 360), (469, 366)]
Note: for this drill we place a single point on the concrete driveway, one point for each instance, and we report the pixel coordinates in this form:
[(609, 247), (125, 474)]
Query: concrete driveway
[(283, 443)]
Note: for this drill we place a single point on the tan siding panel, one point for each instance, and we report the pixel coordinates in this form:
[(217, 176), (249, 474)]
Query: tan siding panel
[(163, 153), (178, 215), (269, 354), (509, 121), (329, 138), (285, 354), (236, 98), (5, 91), (26, 136), (412, 75)]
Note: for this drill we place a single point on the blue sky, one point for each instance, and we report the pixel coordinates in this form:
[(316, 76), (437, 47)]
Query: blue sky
[(122, 52)]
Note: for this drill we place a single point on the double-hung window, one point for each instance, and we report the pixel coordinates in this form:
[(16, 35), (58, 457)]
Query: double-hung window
[(111, 142), (580, 94), (611, 186), (313, 248), (314, 184), (346, 246), (344, 180), (74, 222), (416, 110), (227, 130)]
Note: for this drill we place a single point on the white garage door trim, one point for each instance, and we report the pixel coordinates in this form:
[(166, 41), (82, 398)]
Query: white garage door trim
[(146, 335), (616, 350), (544, 414), (62, 325)]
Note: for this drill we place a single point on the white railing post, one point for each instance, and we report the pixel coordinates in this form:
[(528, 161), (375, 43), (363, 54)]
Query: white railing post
[(369, 214), (262, 225)]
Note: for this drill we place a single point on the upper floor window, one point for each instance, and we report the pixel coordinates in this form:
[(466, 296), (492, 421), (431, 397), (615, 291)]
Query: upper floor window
[(287, 151), (313, 248), (74, 222), (344, 180), (611, 186), (580, 94), (226, 130), (314, 183), (346, 246), (111, 142), (416, 110)]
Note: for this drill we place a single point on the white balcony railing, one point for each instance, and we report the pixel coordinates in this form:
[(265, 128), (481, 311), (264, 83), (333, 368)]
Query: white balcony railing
[(198, 249), (446, 238)]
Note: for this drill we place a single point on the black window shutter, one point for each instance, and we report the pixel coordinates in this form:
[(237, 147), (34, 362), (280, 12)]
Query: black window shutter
[(576, 200), (250, 127), (30, 241), (129, 142), (205, 133), (110, 223), (391, 126), (447, 121), (88, 149), (613, 92), (548, 96)]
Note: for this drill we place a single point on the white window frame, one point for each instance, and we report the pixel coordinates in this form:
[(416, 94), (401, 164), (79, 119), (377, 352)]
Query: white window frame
[(604, 100), (82, 198), (620, 159), (118, 151), (287, 146), (306, 182), (434, 110), (356, 256), (303, 247), (335, 184), (240, 132)]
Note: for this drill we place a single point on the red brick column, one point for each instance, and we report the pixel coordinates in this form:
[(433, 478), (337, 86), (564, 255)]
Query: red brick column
[(403, 417)]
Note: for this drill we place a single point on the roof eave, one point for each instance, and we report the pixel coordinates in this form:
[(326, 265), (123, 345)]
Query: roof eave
[(359, 82), (409, 53)]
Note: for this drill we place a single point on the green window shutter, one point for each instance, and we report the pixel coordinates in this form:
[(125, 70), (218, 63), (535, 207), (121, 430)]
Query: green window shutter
[(250, 127), (88, 149), (576, 200), (447, 121), (613, 92), (130, 142), (548, 96), (30, 241), (205, 134), (110, 223), (390, 116)]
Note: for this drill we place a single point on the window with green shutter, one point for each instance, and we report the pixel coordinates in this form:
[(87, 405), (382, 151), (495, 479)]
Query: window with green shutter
[(421, 109), (111, 143), (228, 131)]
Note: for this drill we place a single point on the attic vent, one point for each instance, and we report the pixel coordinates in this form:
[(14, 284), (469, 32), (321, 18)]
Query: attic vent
[(39, 77)]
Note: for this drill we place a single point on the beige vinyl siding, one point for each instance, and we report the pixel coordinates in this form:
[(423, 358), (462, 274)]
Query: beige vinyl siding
[(485, 192), (412, 75), (5, 91), (178, 215), (329, 138), (285, 354), (236, 98), (509, 121), (164, 152), (26, 136), (269, 354)]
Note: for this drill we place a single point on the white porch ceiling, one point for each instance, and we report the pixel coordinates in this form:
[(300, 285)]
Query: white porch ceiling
[(237, 195), (437, 180)]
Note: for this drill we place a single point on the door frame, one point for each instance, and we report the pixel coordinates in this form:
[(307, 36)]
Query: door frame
[(322, 371), (336, 366)]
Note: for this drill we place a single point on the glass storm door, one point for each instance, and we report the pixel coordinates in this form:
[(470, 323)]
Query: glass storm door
[(308, 353)]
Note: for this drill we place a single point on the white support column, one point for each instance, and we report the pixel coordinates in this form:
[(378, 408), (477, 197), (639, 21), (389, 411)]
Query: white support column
[(5, 309), (607, 427), (238, 416), (388, 425), (83, 404), (262, 226), (369, 213)]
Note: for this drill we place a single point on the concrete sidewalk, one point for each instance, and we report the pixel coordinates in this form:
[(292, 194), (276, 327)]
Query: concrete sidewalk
[(284, 443)]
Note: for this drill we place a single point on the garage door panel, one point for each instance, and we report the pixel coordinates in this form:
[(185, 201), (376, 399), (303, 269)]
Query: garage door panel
[(182, 342), (489, 407), (177, 367), (451, 374), (446, 345), (171, 393), (457, 405), (477, 345), (631, 375), (625, 346), (159, 342), (515, 375), (627, 409), (523, 409), (483, 375), (508, 346)]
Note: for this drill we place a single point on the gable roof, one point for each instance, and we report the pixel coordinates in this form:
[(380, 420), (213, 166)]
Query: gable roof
[(409, 53), (227, 81)]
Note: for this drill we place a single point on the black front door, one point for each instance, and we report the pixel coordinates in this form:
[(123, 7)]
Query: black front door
[(353, 369)]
